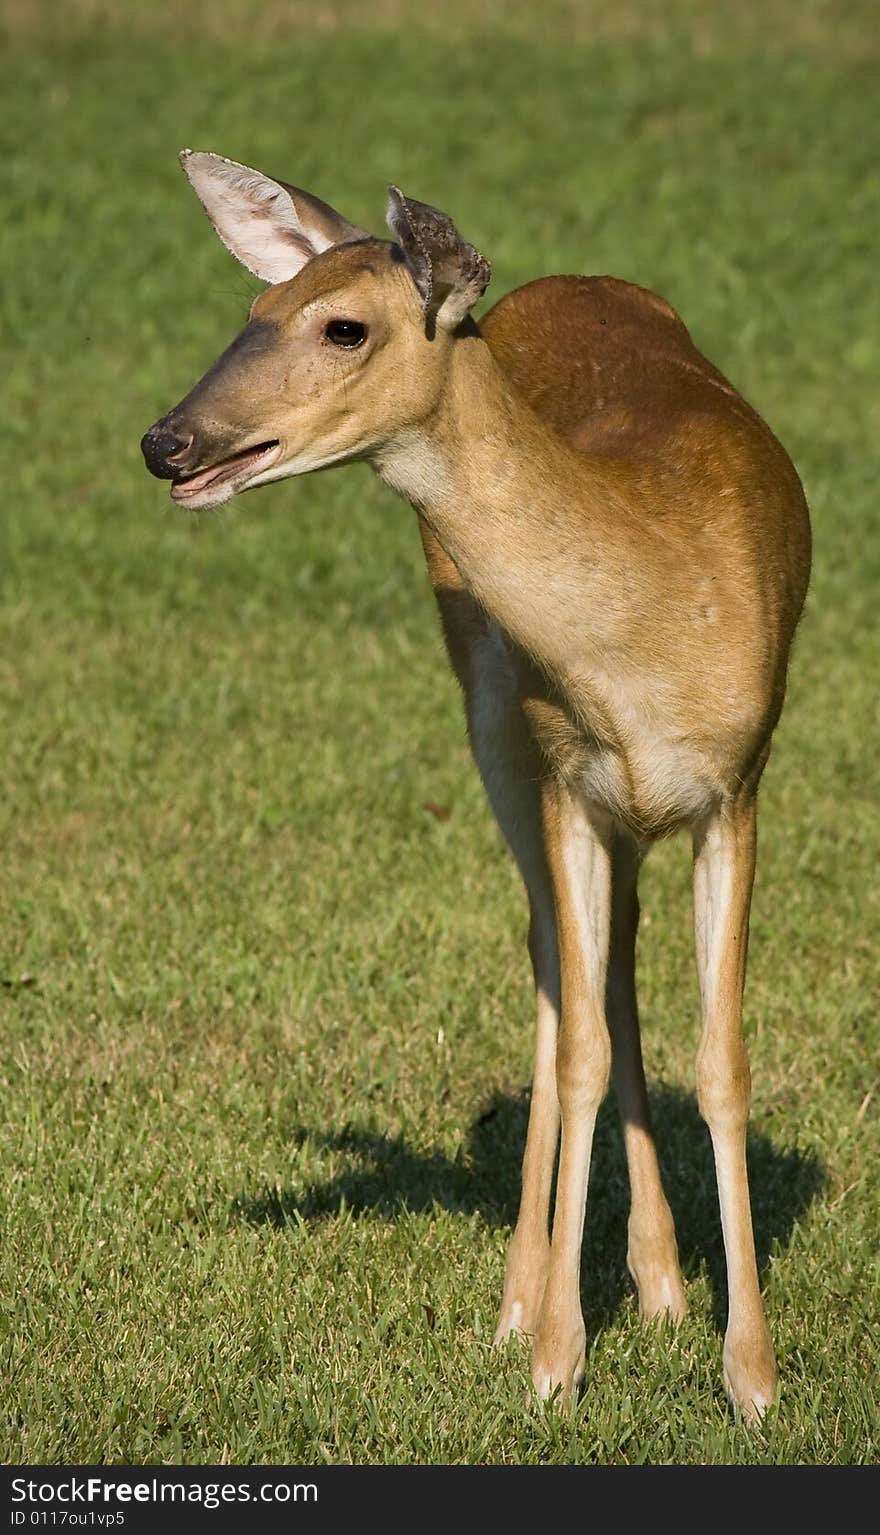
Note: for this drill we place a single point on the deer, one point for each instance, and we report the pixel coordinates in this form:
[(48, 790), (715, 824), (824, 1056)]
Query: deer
[(619, 548)]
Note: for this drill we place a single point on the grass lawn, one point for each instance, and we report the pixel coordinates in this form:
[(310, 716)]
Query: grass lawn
[(266, 1019)]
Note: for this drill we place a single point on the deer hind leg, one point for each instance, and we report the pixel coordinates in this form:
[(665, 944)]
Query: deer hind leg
[(652, 1254), (578, 845), (724, 865)]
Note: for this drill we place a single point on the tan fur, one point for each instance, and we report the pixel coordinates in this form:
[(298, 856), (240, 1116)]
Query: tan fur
[(619, 548)]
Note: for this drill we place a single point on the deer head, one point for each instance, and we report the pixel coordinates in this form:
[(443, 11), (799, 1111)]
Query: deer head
[(348, 347)]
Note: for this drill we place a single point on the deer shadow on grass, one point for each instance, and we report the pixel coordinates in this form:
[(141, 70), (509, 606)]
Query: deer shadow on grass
[(384, 1175)]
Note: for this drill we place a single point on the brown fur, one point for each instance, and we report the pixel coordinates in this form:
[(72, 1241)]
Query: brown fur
[(619, 548), (612, 369)]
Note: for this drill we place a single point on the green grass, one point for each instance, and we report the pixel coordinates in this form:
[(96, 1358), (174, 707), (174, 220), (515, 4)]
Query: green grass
[(266, 1023)]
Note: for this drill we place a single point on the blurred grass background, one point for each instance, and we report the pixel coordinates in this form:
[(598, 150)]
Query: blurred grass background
[(266, 1019)]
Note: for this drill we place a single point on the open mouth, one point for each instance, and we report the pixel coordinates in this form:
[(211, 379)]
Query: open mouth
[(235, 470)]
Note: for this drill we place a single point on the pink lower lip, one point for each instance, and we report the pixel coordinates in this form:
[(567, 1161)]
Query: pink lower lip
[(230, 469)]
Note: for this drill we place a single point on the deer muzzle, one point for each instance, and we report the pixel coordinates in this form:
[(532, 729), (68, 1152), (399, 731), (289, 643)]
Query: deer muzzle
[(165, 452)]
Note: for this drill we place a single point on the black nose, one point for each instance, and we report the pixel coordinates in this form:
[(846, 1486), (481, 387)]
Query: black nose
[(159, 447)]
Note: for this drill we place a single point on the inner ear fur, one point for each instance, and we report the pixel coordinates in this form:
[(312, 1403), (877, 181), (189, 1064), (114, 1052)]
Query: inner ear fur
[(449, 273), (270, 227)]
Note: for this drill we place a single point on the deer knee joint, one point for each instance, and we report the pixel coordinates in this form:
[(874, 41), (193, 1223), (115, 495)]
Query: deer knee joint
[(583, 1067), (724, 1086)]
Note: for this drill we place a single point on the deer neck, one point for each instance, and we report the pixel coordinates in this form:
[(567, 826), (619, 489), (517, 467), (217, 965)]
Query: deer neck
[(526, 519)]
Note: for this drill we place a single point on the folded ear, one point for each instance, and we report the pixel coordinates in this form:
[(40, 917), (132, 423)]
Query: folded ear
[(448, 272), (271, 228)]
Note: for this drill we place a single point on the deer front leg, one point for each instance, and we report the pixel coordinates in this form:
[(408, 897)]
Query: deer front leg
[(652, 1253), (724, 866), (578, 853), (511, 770), (528, 1256)]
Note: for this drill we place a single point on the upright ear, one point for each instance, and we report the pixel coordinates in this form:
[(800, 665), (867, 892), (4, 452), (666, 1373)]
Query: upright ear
[(448, 272), (271, 228)]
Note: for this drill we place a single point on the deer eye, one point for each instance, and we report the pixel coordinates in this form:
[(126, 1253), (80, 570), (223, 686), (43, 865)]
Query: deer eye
[(349, 333)]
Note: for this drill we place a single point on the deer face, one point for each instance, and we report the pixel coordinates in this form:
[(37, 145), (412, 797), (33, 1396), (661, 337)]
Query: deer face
[(347, 349)]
